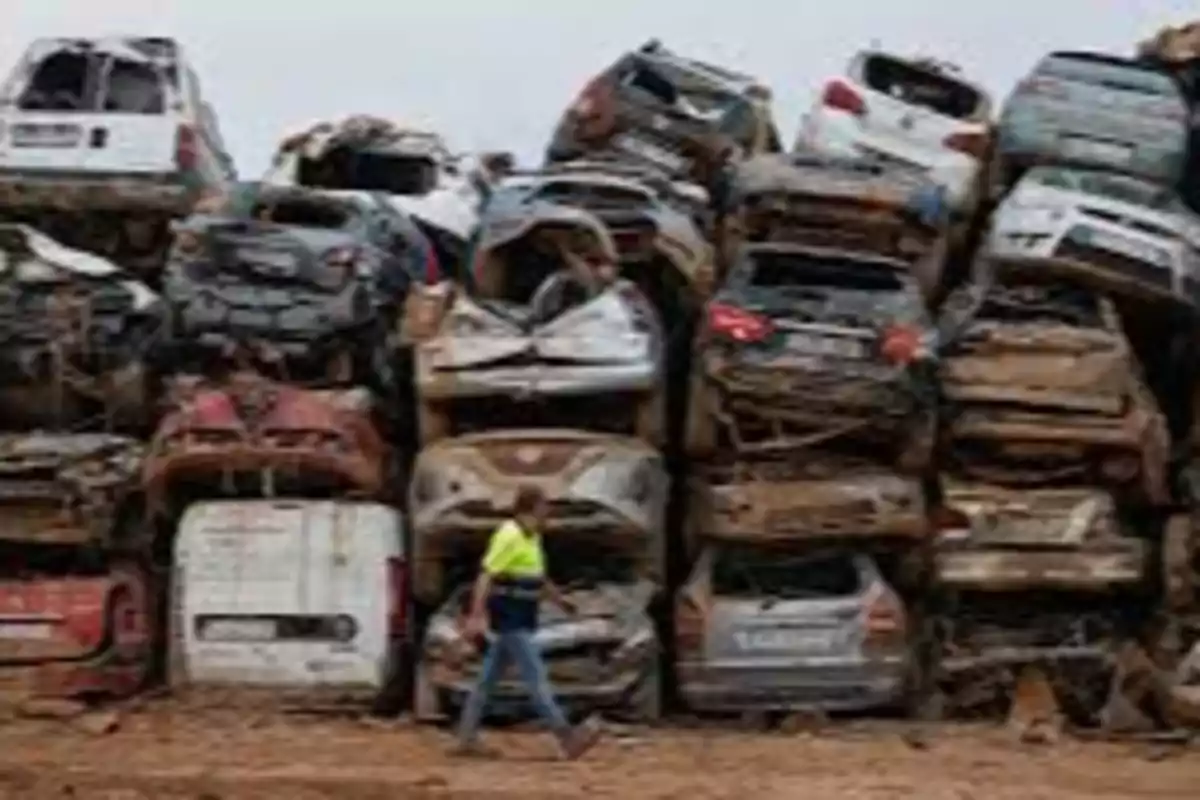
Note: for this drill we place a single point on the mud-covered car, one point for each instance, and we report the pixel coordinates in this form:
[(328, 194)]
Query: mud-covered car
[(414, 169), (680, 115), (72, 630), (760, 628), (826, 496), (69, 488), (603, 489), (248, 431), (549, 335), (858, 204), (807, 346), (1042, 387), (305, 284), (652, 221), (1118, 234), (75, 333), (604, 656)]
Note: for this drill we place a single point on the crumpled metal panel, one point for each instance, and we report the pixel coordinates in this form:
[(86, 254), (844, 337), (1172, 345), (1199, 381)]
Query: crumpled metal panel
[(250, 424), (1173, 44), (65, 488)]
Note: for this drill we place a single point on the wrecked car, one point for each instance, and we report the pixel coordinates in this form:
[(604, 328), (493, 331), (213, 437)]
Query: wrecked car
[(75, 336), (305, 284), (1118, 234), (807, 346), (549, 335), (916, 113), (68, 488), (601, 488), (605, 656), (855, 204), (680, 115), (106, 141), (69, 630), (413, 169), (1043, 387), (249, 432), (770, 629)]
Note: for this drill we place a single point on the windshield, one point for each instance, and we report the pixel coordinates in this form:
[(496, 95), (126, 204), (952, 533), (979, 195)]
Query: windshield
[(82, 80), (1113, 187), (348, 169), (1111, 73), (787, 270), (922, 87), (745, 571)]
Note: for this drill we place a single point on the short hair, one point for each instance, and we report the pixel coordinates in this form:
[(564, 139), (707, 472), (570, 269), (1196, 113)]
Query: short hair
[(528, 499)]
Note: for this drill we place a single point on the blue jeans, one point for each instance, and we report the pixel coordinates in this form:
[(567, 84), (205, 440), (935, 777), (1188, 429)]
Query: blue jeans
[(519, 646)]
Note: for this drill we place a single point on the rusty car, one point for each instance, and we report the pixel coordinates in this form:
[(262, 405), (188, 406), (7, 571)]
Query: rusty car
[(1042, 386), (543, 333), (785, 629), (70, 629), (860, 204), (107, 140), (654, 106), (806, 346), (248, 430), (412, 168), (76, 333), (601, 488), (308, 283)]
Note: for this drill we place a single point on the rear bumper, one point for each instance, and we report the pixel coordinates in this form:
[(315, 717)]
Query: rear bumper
[(834, 685), (115, 192), (534, 381), (1006, 570)]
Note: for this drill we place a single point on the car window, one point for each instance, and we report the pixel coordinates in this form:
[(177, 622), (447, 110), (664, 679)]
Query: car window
[(88, 81), (348, 169), (133, 87), (761, 572), (1109, 73), (1113, 187), (306, 212), (782, 270), (921, 87)]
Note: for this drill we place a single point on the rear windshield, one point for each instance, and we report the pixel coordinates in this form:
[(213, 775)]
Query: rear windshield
[(921, 87), (594, 196), (300, 211), (763, 572), (674, 85), (1110, 73), (81, 81), (347, 169), (791, 270), (1103, 184)]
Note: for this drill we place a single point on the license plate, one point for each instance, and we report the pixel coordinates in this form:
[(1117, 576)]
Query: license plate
[(826, 346), (273, 260), (239, 630), (784, 640), (1123, 244), (652, 152), (48, 135), (35, 631), (1079, 147)]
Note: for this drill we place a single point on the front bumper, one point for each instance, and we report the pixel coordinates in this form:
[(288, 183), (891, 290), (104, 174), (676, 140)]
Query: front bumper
[(835, 684), (998, 570), (533, 381)]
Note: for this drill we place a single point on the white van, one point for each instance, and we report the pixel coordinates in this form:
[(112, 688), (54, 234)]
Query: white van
[(306, 597)]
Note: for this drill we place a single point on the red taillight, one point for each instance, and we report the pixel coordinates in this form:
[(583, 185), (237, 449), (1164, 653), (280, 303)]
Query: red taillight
[(689, 626), (973, 144), (901, 344), (185, 147), (737, 324), (840, 96), (397, 597), (884, 617), (213, 410)]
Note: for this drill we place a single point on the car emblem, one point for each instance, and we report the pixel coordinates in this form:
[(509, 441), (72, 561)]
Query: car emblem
[(529, 455)]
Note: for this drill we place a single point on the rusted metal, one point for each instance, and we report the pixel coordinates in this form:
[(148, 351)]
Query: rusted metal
[(58, 488), (250, 425), (600, 487)]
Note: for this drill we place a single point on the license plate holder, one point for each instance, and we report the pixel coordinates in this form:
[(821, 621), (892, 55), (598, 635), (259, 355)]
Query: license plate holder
[(238, 630), (785, 640), (27, 631), (272, 262), (829, 346), (50, 135)]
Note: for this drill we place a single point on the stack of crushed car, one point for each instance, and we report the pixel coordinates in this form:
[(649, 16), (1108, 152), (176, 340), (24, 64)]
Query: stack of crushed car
[(901, 416)]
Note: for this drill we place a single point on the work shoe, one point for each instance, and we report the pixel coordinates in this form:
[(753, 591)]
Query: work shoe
[(580, 739), (472, 750)]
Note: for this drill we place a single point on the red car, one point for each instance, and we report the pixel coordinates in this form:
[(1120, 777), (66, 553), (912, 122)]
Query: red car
[(250, 428)]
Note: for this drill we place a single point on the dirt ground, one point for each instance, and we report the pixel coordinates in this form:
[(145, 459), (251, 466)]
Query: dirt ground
[(167, 754)]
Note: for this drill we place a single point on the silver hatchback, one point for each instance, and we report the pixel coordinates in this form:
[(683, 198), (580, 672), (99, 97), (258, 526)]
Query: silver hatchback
[(775, 630)]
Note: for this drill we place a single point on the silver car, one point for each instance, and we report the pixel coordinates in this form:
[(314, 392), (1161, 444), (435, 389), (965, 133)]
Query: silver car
[(1095, 110), (1123, 235), (763, 629)]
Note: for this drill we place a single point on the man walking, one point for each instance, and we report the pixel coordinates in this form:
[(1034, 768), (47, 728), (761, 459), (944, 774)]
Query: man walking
[(507, 593)]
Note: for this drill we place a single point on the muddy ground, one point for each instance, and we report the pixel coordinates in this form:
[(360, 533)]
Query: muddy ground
[(167, 754)]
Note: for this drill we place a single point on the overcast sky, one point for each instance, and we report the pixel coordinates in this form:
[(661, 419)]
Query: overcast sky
[(496, 73)]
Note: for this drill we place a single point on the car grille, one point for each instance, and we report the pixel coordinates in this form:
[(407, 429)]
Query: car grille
[(1106, 259)]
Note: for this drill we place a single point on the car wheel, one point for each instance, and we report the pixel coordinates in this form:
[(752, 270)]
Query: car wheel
[(427, 701)]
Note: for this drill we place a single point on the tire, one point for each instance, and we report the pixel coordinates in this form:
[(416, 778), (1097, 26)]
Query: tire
[(427, 701)]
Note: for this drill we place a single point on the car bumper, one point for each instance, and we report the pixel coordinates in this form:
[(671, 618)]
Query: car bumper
[(535, 381), (835, 685), (117, 192), (1008, 570)]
